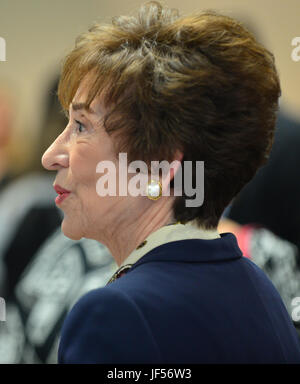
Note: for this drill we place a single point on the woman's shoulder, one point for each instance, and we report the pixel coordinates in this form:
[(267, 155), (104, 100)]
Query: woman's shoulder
[(100, 324)]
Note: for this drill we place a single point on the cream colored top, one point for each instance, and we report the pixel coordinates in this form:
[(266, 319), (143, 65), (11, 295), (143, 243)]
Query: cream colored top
[(167, 234)]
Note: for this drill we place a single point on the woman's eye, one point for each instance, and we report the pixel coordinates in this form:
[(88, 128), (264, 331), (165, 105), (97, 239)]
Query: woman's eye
[(80, 127)]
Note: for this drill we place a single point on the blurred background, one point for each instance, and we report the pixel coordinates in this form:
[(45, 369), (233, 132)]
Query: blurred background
[(42, 273)]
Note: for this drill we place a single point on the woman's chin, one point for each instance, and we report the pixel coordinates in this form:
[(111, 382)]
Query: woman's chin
[(71, 231)]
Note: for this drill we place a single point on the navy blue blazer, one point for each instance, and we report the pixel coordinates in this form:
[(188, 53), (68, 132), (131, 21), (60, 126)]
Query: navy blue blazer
[(188, 301)]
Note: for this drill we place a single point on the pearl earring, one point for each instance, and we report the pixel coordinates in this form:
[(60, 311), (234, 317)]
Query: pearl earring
[(154, 190)]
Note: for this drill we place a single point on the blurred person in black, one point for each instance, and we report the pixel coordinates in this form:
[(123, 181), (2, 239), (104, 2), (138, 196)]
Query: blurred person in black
[(271, 198)]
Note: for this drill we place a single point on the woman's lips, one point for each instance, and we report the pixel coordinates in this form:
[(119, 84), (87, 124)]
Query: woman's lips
[(62, 194), (61, 197)]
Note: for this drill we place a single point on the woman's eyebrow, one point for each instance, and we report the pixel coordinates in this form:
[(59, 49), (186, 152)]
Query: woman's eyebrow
[(82, 106)]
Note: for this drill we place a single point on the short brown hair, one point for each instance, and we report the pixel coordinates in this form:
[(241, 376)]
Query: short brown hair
[(199, 83)]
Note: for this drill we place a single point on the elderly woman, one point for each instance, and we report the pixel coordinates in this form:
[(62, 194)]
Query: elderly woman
[(188, 90)]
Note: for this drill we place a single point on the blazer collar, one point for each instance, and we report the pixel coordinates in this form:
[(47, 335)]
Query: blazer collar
[(224, 248), (181, 242)]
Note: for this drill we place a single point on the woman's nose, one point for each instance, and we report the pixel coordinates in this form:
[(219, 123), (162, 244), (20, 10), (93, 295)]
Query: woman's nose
[(56, 156)]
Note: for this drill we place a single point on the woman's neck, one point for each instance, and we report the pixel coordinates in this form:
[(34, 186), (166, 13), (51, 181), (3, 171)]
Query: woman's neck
[(127, 235)]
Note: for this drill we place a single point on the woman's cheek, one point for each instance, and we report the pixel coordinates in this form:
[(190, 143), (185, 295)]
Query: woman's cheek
[(83, 167)]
